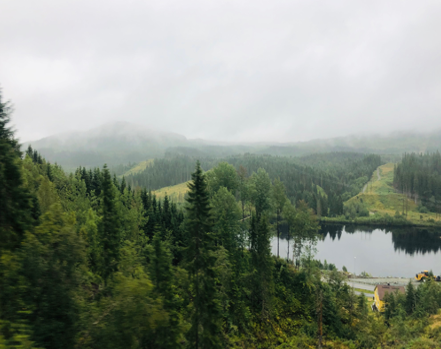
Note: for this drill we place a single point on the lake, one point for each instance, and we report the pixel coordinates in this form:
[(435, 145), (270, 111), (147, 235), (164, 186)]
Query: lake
[(380, 251)]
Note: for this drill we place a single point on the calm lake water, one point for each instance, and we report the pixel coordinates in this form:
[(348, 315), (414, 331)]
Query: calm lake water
[(400, 252)]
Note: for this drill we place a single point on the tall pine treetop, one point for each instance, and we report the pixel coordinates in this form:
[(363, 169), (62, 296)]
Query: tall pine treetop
[(198, 208)]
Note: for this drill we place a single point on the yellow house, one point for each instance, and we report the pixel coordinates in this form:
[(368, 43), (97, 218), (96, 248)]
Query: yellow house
[(380, 292)]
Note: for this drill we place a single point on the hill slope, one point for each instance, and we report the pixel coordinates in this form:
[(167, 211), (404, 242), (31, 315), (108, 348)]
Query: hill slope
[(379, 197), (123, 143), (114, 143), (176, 193)]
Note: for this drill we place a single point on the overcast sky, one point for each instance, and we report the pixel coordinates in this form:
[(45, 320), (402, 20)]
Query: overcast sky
[(225, 70)]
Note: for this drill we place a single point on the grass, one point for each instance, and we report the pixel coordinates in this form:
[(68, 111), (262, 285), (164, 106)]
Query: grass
[(364, 291), (138, 168), (381, 198), (176, 192)]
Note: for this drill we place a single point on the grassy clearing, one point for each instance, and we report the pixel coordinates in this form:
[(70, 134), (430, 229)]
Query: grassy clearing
[(435, 321), (138, 168), (176, 192), (381, 198)]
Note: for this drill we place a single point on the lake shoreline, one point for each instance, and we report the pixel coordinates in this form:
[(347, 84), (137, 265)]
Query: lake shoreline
[(377, 222)]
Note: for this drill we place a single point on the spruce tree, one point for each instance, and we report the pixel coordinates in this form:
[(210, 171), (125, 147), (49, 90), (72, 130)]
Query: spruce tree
[(109, 225), (262, 262), (279, 199), (205, 328), (410, 298), (166, 214), (166, 336), (261, 187), (123, 185), (16, 213), (15, 200)]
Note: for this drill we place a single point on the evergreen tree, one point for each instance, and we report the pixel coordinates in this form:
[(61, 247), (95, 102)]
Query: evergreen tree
[(410, 298), (262, 263), (226, 216), (244, 191), (15, 200), (168, 335), (123, 185), (52, 260), (289, 214), (261, 191), (205, 328), (109, 225), (166, 214), (279, 198)]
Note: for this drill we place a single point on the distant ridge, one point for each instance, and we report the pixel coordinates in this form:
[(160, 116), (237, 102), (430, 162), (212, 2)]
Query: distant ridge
[(113, 143), (122, 143)]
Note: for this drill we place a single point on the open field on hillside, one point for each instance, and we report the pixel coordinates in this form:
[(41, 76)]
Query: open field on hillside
[(138, 168), (176, 193), (381, 198)]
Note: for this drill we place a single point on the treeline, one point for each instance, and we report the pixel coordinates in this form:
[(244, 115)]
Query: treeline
[(419, 177), (324, 186)]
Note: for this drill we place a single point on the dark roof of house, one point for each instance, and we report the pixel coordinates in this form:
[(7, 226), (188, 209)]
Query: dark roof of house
[(383, 289)]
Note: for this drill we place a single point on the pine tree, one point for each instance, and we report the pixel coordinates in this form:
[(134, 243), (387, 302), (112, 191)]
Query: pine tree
[(261, 191), (205, 328), (166, 214), (226, 216), (262, 262), (410, 298), (16, 213), (15, 205), (166, 336), (279, 198), (123, 185), (109, 225)]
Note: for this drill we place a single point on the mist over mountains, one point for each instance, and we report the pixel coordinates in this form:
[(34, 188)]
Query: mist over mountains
[(122, 143)]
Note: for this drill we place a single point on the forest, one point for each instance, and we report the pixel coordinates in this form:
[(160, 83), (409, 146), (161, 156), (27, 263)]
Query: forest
[(419, 177), (323, 181), (92, 261)]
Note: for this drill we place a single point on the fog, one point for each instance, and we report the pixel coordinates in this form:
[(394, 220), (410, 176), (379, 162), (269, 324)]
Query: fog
[(247, 71)]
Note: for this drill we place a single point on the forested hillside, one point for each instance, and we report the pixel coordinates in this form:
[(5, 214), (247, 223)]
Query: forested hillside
[(87, 261), (323, 181), (121, 143), (419, 177)]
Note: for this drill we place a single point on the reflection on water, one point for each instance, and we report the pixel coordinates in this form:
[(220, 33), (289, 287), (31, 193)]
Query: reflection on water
[(409, 240), (381, 251)]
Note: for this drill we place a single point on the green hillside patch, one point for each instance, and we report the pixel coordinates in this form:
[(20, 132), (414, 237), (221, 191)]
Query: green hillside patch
[(381, 199), (176, 193), (138, 168)]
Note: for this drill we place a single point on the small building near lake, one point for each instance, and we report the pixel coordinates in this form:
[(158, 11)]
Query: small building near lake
[(381, 291)]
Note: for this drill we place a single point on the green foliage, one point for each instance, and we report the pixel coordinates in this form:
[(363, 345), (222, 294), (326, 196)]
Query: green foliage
[(226, 216), (223, 175), (109, 226), (15, 201), (89, 262), (260, 191), (200, 257), (419, 177), (261, 261), (354, 209), (52, 259), (279, 200)]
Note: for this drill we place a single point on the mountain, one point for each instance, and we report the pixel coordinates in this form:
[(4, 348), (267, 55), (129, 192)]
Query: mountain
[(123, 143), (113, 143)]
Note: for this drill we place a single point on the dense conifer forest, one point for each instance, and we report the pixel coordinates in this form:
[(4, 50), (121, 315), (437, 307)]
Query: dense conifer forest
[(322, 181), (91, 261), (419, 177)]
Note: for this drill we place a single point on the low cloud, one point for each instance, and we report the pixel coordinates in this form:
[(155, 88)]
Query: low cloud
[(236, 71)]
